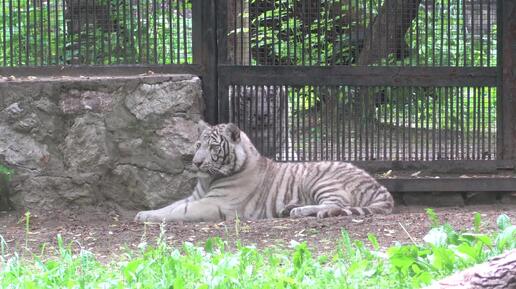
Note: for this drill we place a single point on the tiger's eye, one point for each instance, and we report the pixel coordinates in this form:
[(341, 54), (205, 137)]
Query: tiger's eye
[(198, 145)]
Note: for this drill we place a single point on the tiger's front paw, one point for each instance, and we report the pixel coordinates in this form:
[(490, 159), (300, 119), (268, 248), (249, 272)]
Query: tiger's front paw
[(286, 212), (299, 212), (147, 216)]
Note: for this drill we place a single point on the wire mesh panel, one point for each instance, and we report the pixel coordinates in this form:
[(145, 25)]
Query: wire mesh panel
[(102, 32), (307, 123), (364, 32), (437, 120)]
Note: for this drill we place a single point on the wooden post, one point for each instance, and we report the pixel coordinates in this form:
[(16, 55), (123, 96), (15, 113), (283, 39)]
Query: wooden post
[(206, 53), (507, 64), (222, 54)]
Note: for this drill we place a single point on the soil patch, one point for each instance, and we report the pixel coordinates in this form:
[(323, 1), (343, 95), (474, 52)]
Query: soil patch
[(107, 233)]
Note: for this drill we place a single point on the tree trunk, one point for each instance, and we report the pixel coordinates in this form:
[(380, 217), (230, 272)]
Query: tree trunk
[(387, 33), (497, 273), (238, 32)]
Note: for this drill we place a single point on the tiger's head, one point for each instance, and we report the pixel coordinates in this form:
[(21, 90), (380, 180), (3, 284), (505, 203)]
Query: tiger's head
[(219, 150)]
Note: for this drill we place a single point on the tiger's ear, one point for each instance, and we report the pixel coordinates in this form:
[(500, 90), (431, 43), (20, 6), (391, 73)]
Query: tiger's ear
[(201, 126), (233, 132)]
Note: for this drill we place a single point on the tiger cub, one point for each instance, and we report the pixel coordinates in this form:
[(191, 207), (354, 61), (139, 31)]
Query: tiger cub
[(234, 180)]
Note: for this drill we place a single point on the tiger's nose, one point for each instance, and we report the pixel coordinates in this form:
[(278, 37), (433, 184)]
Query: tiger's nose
[(197, 163)]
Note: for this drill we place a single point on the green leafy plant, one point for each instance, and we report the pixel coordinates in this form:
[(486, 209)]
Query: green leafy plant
[(5, 171), (353, 265)]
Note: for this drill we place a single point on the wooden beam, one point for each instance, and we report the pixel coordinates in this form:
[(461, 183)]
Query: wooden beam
[(93, 70), (358, 75), (458, 167), (493, 184)]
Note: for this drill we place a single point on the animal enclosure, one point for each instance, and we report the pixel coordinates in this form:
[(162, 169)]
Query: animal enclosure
[(407, 81)]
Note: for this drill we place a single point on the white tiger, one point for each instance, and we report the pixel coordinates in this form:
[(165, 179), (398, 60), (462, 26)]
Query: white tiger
[(234, 180)]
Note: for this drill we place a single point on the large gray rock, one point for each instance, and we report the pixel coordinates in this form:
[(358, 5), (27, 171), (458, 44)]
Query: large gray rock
[(85, 142)]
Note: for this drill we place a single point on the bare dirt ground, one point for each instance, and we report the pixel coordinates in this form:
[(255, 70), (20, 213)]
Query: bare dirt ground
[(107, 234)]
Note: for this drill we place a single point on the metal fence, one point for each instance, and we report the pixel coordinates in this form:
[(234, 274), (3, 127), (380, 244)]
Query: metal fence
[(95, 32), (365, 32), (407, 80)]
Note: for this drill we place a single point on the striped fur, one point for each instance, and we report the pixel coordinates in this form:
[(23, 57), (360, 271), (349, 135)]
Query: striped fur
[(235, 180)]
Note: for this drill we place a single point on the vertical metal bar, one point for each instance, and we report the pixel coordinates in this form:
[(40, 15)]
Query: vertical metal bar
[(468, 106), (260, 117), (27, 37), (439, 121), (481, 33), (20, 34), (419, 100), (353, 129), (273, 43), (462, 127), (452, 134), (489, 121), (446, 135), (66, 33), (458, 30), (139, 27), (35, 25), (441, 52), (11, 58), (94, 12), (392, 102), (146, 37), (311, 142), (302, 28), (289, 59), (464, 34), (488, 52), (164, 32), (409, 123), (124, 23), (87, 22), (178, 32), (359, 122), (448, 26), (388, 105), (155, 30), (349, 4), (236, 32), (300, 131), (473, 34), (342, 122), (326, 30), (434, 121), (274, 137), (134, 52), (427, 117), (185, 31), (319, 32), (329, 133), (42, 34), (199, 23), (336, 121), (415, 94), (378, 104), (366, 121), (250, 40), (433, 33), (426, 33), (483, 123)]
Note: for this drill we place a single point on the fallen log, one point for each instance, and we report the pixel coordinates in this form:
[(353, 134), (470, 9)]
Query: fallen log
[(498, 273)]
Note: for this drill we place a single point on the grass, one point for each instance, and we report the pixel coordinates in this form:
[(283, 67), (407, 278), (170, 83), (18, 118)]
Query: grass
[(214, 265)]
